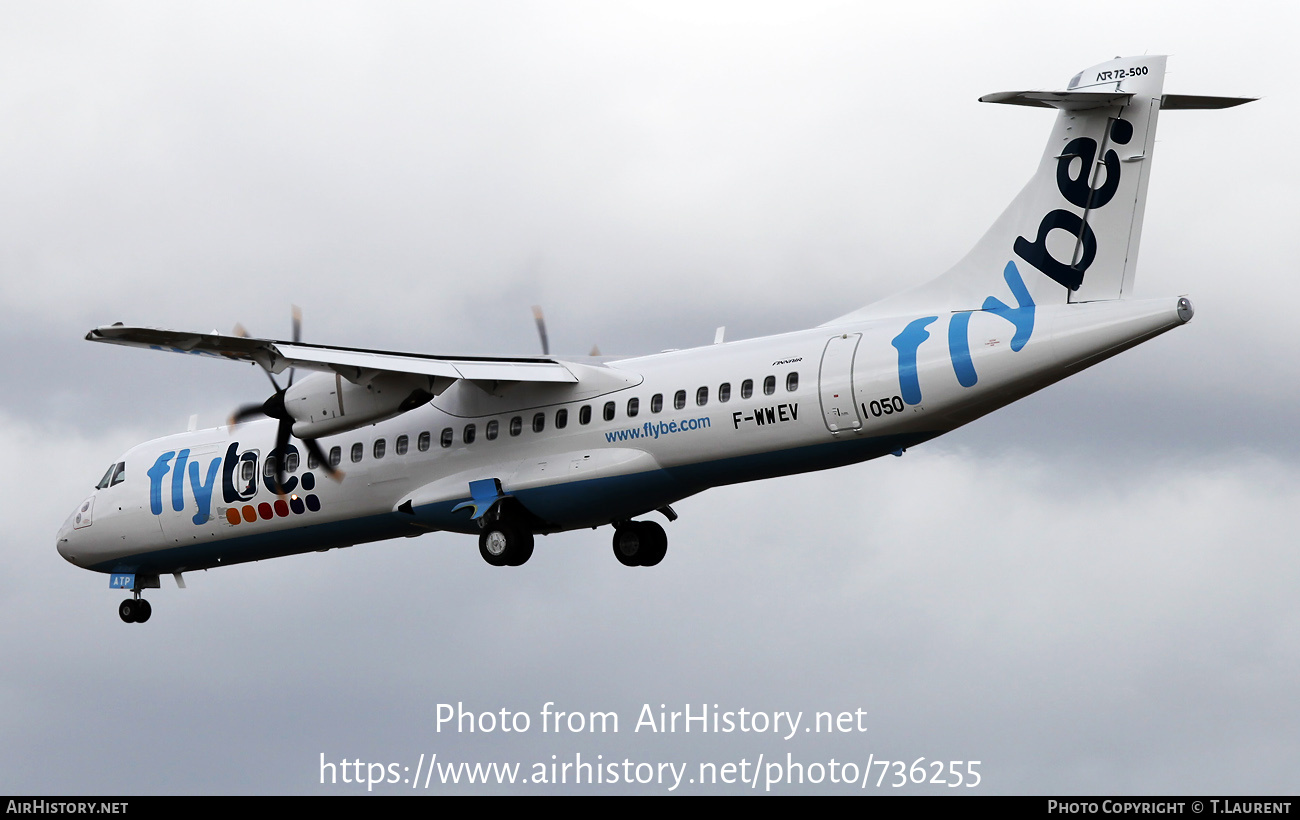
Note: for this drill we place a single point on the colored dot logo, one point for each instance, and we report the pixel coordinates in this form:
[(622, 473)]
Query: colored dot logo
[(281, 508)]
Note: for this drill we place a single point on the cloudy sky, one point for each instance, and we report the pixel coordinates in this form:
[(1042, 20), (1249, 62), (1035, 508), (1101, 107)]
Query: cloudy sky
[(1091, 591)]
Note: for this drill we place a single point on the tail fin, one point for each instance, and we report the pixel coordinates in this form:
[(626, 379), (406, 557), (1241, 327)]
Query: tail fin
[(1074, 229)]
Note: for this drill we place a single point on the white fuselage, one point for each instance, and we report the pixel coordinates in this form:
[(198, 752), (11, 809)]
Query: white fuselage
[(752, 409)]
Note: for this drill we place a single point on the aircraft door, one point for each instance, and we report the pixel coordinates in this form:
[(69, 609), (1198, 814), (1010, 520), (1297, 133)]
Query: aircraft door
[(192, 492), (835, 383)]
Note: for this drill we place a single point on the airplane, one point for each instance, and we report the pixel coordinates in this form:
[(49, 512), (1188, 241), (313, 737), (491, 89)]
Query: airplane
[(394, 444)]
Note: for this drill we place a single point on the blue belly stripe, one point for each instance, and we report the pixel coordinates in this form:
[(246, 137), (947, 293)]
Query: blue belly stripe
[(571, 505)]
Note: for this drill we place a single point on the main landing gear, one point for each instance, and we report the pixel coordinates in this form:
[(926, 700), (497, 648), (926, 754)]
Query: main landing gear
[(640, 543), (135, 610), (505, 544)]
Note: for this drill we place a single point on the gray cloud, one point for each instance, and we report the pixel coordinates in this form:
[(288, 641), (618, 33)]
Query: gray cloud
[(1089, 591)]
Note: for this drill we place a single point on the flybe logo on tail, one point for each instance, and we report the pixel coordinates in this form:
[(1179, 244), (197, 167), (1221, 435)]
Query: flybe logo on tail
[(1078, 191), (234, 487)]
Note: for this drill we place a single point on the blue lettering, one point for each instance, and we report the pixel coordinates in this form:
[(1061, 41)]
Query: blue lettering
[(178, 481), (156, 473), (907, 342), (959, 349), (203, 492), (1023, 316)]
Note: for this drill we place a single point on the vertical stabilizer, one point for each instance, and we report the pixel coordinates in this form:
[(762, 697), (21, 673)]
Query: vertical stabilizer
[(1073, 231)]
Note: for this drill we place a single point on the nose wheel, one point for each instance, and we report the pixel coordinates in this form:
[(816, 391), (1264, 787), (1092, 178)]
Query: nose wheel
[(134, 610), (503, 544)]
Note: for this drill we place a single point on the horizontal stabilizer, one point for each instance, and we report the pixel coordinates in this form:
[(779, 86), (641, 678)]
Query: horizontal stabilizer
[(1065, 100), (1175, 102)]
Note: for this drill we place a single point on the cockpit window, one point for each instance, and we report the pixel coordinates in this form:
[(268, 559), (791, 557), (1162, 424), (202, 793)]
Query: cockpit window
[(115, 474), (108, 476)]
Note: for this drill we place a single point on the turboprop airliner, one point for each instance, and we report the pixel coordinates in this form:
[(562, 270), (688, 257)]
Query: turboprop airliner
[(374, 444)]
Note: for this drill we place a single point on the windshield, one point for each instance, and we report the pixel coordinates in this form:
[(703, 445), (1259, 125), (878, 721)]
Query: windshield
[(115, 474)]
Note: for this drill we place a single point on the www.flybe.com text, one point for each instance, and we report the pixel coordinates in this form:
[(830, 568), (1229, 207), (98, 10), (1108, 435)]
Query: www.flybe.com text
[(655, 429)]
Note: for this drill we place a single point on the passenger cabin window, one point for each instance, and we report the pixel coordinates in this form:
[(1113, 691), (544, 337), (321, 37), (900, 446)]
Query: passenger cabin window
[(539, 422), (679, 399), (746, 388), (446, 437), (633, 407), (792, 382), (769, 385), (561, 418), (248, 470), (468, 435), (312, 461), (399, 446), (291, 463), (422, 443), (516, 425), (702, 396), (656, 402), (336, 457), (357, 452), (493, 427), (584, 415), (724, 392), (609, 411), (380, 447), (268, 467)]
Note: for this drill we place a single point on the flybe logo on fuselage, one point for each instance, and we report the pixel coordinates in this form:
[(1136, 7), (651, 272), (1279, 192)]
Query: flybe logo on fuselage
[(909, 340), (238, 483)]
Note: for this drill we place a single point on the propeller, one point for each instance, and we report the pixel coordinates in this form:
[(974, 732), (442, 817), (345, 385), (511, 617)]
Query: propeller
[(541, 329), (274, 408)]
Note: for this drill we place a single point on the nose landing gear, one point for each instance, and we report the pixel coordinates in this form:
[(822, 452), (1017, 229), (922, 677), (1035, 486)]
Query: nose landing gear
[(505, 544)]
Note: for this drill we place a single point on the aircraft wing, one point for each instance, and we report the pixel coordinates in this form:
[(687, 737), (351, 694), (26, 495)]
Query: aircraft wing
[(353, 364)]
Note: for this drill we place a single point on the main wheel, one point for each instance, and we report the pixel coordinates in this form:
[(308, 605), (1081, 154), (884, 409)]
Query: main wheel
[(655, 543), (630, 544), (142, 611), (504, 545), (126, 610)]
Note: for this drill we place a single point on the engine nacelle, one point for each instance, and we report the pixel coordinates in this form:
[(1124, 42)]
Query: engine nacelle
[(323, 404)]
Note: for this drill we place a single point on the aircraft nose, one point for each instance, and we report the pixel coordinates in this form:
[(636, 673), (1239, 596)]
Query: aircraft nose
[(65, 541)]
